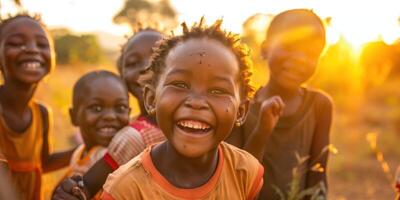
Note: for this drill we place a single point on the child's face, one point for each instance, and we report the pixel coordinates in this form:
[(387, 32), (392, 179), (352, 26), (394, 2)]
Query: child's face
[(197, 96), (103, 110), (293, 55), (136, 57), (26, 51)]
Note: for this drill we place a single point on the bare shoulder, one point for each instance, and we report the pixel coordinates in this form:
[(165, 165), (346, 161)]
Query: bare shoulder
[(322, 100)]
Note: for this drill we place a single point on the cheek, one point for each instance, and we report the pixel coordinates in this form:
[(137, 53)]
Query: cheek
[(88, 120), (226, 108), (123, 119), (9, 54), (168, 100), (131, 75)]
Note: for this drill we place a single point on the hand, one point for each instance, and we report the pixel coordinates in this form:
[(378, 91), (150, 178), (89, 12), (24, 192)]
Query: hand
[(270, 111), (70, 189)]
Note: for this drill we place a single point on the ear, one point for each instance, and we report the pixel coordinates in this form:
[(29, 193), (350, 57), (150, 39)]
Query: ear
[(243, 111), (72, 116), (149, 99)]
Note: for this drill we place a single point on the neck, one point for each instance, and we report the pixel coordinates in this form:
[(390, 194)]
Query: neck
[(183, 171), (16, 96), (273, 88)]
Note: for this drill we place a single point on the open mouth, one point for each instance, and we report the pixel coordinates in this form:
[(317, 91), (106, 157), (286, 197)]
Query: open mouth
[(31, 65), (107, 131), (194, 126)]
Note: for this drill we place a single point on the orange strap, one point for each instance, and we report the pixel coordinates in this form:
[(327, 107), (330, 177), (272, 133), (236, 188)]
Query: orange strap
[(23, 166)]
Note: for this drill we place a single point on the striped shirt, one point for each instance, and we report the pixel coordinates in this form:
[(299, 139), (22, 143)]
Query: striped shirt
[(131, 141)]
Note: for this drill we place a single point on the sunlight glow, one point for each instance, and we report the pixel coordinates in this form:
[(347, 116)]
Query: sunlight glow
[(357, 21)]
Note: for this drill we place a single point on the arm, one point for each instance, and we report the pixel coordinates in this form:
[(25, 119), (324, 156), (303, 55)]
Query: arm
[(93, 181), (270, 111), (125, 145), (51, 162), (320, 141), (6, 189), (95, 178)]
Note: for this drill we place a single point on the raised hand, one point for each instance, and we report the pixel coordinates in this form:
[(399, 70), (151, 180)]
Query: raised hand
[(70, 189), (270, 111)]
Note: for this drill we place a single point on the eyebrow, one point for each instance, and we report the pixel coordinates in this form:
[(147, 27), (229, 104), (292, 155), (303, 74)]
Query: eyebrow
[(221, 79), (179, 71), (101, 99)]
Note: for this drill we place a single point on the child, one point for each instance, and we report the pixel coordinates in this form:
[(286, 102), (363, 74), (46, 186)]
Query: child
[(142, 132), (26, 57), (294, 42), (197, 86), (100, 109)]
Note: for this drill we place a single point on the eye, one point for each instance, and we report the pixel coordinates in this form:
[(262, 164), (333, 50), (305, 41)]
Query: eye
[(43, 45), (15, 43), (132, 64), (122, 108), (181, 85), (96, 108), (217, 91)]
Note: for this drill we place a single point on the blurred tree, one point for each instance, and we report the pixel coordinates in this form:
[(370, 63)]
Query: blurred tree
[(72, 49), (18, 3), (396, 60), (377, 58), (253, 34), (147, 12)]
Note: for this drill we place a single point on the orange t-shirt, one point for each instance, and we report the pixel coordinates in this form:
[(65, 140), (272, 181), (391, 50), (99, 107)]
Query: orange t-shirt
[(80, 163), (238, 176), (23, 153)]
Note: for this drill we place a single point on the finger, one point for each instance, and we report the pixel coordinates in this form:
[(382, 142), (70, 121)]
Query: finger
[(60, 194), (281, 104), (275, 108), (68, 184), (77, 178)]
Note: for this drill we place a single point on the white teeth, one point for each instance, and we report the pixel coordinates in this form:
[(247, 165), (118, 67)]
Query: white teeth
[(107, 129), (194, 124), (31, 65)]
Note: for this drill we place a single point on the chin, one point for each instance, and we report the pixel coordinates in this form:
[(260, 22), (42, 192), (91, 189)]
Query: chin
[(192, 151)]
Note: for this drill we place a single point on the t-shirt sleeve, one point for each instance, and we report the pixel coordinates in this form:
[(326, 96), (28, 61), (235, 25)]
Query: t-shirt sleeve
[(125, 145), (121, 184), (257, 183)]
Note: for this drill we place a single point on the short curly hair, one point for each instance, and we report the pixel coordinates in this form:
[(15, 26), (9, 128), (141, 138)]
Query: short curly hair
[(23, 14), (200, 30)]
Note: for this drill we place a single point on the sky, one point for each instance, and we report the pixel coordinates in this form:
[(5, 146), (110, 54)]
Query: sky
[(357, 20)]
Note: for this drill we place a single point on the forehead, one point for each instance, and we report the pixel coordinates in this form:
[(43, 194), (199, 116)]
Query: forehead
[(102, 87), (23, 25), (199, 49), (290, 28), (142, 41)]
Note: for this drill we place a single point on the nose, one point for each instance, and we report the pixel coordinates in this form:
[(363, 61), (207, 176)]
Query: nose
[(109, 114), (196, 101), (32, 47)]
